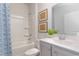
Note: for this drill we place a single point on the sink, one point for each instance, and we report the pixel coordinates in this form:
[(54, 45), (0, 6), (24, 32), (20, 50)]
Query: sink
[(71, 42)]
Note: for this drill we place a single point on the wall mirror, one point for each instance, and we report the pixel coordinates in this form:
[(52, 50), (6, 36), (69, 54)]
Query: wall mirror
[(66, 18)]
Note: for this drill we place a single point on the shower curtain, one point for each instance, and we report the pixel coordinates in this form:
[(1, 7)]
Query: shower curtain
[(5, 40)]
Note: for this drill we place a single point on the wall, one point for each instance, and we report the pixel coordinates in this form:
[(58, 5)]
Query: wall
[(49, 6), (33, 23), (33, 20)]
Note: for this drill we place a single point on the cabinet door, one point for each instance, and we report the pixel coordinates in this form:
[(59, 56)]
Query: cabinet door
[(59, 51), (53, 51), (45, 49)]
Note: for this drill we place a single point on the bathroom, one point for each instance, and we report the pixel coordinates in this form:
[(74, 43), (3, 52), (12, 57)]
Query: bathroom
[(29, 31)]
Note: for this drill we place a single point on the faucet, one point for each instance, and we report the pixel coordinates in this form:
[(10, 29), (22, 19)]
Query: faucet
[(61, 36)]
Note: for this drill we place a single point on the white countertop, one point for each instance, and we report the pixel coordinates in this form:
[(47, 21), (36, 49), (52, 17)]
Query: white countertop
[(71, 43)]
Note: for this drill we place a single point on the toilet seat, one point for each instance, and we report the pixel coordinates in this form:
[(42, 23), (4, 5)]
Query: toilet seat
[(32, 52)]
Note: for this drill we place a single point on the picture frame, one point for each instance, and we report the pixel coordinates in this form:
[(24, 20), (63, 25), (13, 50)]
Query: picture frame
[(43, 15), (43, 27)]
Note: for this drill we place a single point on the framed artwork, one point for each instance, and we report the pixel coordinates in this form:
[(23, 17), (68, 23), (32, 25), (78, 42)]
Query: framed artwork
[(43, 27), (43, 15)]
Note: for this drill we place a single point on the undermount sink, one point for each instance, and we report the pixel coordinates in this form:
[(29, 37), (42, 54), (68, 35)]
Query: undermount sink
[(68, 41)]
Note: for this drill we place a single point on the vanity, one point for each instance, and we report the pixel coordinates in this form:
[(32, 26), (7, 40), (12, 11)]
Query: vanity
[(56, 47), (65, 21)]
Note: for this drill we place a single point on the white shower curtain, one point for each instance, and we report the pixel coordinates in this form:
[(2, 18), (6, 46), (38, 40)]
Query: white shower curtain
[(5, 40)]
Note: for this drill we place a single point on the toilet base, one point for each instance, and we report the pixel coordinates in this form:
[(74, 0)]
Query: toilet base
[(32, 52)]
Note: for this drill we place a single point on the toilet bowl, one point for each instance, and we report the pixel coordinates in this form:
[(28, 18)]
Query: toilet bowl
[(32, 52)]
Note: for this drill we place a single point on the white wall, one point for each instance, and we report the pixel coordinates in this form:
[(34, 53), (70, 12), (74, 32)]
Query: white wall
[(33, 20), (49, 6)]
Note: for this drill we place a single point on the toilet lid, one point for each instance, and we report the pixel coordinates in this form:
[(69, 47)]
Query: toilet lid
[(32, 51)]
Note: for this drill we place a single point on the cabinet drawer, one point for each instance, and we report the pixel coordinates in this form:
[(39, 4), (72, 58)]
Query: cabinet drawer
[(46, 45), (59, 51)]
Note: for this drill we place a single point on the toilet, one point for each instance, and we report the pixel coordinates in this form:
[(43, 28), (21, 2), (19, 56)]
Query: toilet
[(32, 52)]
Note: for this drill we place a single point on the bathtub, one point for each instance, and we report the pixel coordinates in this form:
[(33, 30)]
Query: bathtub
[(19, 50)]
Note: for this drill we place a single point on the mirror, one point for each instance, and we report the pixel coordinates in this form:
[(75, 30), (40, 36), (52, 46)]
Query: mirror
[(66, 18)]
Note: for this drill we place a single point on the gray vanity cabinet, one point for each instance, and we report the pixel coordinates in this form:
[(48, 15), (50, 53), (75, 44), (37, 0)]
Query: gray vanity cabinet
[(60, 51), (45, 49)]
